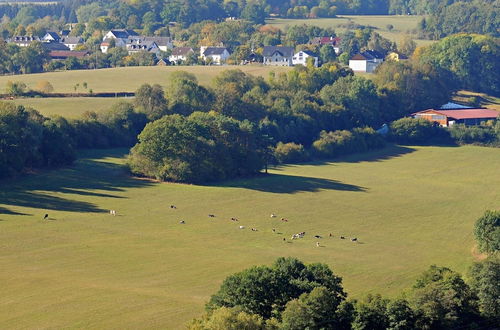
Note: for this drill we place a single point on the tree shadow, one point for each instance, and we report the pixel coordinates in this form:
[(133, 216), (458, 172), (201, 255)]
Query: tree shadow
[(90, 176), (289, 184)]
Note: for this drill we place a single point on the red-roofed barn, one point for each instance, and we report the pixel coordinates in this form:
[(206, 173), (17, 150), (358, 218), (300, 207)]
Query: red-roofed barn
[(473, 116)]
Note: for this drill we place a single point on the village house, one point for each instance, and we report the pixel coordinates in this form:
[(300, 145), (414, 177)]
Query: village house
[(331, 41), (23, 41), (51, 36), (303, 56), (180, 54), (137, 44), (278, 56), (118, 37), (72, 42), (217, 55), (461, 115), (366, 61)]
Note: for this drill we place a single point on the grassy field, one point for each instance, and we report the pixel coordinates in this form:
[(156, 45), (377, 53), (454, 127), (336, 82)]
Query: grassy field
[(126, 79), (410, 207), (402, 24), (69, 107)]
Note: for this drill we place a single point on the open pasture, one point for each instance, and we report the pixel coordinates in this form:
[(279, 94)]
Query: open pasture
[(127, 79), (69, 107), (409, 207), (402, 24)]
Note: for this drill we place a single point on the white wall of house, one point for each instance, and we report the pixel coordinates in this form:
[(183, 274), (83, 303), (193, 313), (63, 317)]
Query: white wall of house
[(72, 46), (219, 58), (278, 60), (301, 58), (358, 65)]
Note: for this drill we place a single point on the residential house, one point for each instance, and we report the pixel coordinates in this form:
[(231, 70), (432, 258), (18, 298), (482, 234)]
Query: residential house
[(331, 41), (51, 36), (217, 55), (120, 34), (23, 41), (278, 56), (137, 44), (120, 37), (72, 42), (180, 54), (54, 46), (366, 61), (303, 56), (466, 116), (163, 43), (162, 62)]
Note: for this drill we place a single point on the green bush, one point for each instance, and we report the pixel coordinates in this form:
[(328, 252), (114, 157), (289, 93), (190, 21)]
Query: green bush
[(487, 232), (474, 134), (290, 153), (414, 130)]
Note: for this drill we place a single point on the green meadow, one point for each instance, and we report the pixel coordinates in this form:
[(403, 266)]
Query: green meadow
[(127, 79), (402, 24), (69, 107), (409, 207)]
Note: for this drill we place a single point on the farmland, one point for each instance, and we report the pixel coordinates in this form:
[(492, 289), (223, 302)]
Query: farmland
[(126, 79), (402, 24), (85, 268)]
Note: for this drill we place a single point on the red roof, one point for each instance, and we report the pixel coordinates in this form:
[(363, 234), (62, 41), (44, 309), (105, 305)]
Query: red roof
[(68, 53), (465, 113)]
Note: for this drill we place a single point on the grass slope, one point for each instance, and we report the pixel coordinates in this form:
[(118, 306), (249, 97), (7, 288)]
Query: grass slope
[(69, 107), (410, 207), (402, 24), (127, 79)]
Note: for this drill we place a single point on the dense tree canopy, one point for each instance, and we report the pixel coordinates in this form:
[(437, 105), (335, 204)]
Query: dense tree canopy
[(487, 232)]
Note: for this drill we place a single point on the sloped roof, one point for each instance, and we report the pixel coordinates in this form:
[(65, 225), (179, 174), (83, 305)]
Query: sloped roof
[(67, 53), (179, 51), (308, 52), (72, 40), (214, 51), (454, 106), (268, 51), (53, 34), (334, 41), (160, 41), (123, 33), (476, 113), (368, 55), (50, 46)]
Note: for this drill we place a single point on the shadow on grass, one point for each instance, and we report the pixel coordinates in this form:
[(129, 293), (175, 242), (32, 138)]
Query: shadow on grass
[(59, 189), (289, 184)]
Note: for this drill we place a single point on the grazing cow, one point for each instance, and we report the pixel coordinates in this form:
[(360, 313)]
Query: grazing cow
[(211, 216), (273, 215), (173, 207), (182, 222), (284, 239), (317, 244), (45, 217), (317, 236), (112, 212), (342, 237), (254, 229), (274, 230), (242, 227), (284, 220), (354, 239), (234, 219)]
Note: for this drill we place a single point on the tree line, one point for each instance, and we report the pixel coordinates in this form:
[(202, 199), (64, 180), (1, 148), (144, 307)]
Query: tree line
[(446, 16), (292, 295)]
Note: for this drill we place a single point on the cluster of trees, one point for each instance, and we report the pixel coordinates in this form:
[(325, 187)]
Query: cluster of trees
[(292, 295), (29, 140), (315, 112), (478, 16)]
